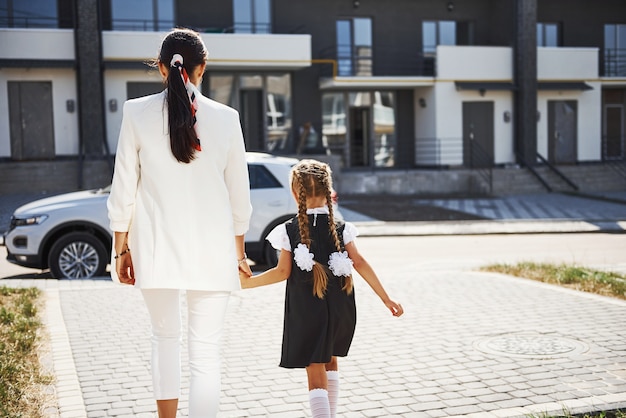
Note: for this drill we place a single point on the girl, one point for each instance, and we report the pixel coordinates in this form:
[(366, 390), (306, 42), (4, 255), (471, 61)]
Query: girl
[(316, 256)]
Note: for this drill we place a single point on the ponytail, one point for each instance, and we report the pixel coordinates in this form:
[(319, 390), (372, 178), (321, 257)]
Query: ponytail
[(182, 51), (180, 119)]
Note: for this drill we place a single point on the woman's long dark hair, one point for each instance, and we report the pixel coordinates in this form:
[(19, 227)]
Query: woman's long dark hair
[(189, 45)]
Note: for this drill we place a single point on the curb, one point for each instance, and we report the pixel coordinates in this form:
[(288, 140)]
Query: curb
[(552, 226)]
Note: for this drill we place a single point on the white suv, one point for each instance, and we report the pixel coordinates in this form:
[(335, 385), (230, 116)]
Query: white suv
[(69, 233)]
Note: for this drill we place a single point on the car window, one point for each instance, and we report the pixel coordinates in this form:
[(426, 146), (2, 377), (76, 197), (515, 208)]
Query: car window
[(261, 178)]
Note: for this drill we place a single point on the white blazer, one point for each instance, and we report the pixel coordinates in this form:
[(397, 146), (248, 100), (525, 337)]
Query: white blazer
[(181, 218)]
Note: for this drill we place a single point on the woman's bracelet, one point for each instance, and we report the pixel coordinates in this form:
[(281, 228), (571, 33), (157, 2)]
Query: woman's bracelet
[(127, 250), (243, 259)]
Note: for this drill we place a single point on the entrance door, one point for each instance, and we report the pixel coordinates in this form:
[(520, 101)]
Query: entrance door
[(477, 134), (31, 120), (251, 108), (562, 131), (614, 132), (359, 136)]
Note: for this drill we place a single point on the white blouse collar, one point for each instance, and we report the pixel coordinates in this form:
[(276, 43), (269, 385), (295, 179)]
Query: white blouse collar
[(322, 210)]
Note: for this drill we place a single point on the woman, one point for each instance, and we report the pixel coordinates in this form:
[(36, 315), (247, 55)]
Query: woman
[(179, 208)]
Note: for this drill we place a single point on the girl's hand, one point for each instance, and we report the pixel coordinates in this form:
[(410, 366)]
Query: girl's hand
[(395, 308), (244, 279), (244, 268), (124, 269)]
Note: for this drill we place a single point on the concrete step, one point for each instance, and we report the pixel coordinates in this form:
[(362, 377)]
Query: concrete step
[(588, 178)]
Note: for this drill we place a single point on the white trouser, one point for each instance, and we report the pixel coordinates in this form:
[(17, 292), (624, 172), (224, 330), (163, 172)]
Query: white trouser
[(205, 324)]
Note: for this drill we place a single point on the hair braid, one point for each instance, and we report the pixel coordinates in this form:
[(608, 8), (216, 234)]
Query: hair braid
[(347, 286), (300, 182), (303, 219)]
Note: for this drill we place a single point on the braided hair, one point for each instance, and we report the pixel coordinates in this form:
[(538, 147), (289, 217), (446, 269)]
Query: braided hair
[(311, 178)]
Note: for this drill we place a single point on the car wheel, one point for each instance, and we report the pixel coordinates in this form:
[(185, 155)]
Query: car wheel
[(270, 255), (78, 255)]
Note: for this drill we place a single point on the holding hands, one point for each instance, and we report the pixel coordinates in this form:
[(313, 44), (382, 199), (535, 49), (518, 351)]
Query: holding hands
[(244, 270)]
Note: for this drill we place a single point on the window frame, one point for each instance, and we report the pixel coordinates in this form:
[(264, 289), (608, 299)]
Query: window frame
[(542, 27), (349, 60), (614, 54), (254, 25), (154, 23)]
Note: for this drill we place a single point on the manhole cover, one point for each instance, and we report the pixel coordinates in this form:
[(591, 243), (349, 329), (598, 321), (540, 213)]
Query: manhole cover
[(531, 345)]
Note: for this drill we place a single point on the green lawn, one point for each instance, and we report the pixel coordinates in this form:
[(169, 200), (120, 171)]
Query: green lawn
[(22, 379), (573, 277)]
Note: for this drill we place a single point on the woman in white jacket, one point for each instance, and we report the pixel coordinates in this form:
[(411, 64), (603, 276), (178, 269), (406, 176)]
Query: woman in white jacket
[(180, 200)]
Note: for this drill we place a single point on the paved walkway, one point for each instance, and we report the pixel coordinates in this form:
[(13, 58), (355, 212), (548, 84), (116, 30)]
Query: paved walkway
[(471, 344)]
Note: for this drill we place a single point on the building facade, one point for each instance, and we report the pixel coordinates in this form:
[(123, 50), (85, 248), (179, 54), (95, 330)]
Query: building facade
[(377, 88)]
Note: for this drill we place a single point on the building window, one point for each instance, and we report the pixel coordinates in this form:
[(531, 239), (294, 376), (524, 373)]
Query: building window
[(615, 50), (442, 32), (142, 15), (28, 14), (354, 47), (252, 16), (548, 34), (264, 105), (278, 112), (363, 133)]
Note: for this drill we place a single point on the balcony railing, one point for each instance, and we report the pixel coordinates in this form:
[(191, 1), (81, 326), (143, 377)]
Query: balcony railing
[(29, 22), (142, 25), (438, 152), (365, 62), (451, 152), (614, 147), (615, 62)]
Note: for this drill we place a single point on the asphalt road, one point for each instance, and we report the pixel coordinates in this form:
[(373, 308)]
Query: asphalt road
[(467, 251)]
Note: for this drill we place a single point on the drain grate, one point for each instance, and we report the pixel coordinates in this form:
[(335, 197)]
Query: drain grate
[(531, 345)]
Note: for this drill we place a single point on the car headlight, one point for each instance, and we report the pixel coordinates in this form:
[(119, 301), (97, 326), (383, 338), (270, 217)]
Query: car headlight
[(31, 220)]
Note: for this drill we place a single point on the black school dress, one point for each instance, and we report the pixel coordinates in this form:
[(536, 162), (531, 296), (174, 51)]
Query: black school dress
[(316, 329)]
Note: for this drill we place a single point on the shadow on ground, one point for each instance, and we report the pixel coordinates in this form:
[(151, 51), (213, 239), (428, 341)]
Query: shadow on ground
[(401, 208)]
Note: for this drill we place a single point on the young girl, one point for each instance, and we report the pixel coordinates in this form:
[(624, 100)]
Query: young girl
[(316, 256)]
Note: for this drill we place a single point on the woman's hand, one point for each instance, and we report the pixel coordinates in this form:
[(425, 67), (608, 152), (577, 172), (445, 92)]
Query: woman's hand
[(124, 269), (244, 268)]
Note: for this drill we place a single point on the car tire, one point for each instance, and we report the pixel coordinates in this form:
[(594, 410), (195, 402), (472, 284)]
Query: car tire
[(77, 255)]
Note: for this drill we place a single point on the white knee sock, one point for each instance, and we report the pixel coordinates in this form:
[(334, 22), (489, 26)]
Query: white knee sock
[(319, 403), (333, 391)]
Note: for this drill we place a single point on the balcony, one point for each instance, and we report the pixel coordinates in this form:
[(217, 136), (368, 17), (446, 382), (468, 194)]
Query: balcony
[(479, 63), (37, 45), (226, 51), (474, 63), (567, 63)]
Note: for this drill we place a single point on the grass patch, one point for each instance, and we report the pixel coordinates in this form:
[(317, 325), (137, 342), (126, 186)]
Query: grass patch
[(579, 278), (22, 378)]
